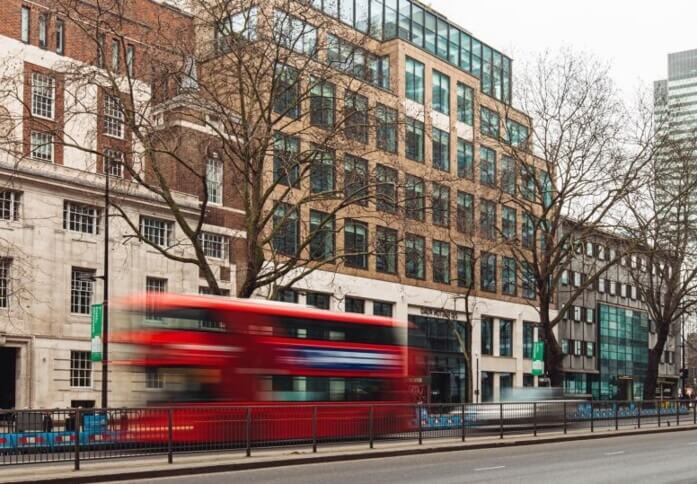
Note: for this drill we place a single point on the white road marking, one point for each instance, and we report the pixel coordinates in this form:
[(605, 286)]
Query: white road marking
[(481, 469), (619, 452)]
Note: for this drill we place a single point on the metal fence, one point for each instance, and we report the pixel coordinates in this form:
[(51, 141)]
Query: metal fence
[(35, 436)]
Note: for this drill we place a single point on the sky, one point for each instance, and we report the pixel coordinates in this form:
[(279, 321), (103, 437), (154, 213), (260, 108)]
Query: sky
[(633, 36)]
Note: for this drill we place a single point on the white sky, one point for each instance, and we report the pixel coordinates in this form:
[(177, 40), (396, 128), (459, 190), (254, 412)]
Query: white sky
[(633, 36)]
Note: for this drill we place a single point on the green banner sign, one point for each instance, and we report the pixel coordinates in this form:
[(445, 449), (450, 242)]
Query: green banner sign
[(538, 358), (97, 310)]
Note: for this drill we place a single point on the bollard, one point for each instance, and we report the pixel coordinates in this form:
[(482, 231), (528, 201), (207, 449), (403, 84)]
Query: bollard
[(501, 418), (77, 439), (314, 429), (534, 419), (248, 431), (370, 426), (418, 412), (462, 422), (170, 434)]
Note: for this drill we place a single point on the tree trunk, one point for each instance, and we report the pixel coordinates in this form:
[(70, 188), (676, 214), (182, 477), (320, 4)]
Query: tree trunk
[(651, 381), (554, 357)]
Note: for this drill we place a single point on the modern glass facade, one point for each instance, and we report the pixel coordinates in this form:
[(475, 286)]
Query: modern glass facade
[(623, 355), (389, 19)]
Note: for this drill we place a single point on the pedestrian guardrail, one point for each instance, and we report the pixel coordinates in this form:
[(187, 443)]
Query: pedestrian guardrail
[(77, 435)]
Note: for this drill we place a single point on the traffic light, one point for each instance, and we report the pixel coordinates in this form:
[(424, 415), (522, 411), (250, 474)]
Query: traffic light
[(683, 373)]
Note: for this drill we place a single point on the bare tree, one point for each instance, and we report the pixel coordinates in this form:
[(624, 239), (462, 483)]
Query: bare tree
[(570, 176)]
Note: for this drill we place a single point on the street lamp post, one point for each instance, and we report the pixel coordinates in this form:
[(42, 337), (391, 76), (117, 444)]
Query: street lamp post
[(105, 306)]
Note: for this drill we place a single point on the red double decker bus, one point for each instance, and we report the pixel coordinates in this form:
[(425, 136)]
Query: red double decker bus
[(280, 360)]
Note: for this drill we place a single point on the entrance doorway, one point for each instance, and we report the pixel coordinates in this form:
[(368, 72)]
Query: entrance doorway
[(626, 389), (440, 387), (8, 377)]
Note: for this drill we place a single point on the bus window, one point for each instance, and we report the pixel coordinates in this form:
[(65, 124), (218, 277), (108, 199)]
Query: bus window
[(319, 329), (286, 388), (181, 318)]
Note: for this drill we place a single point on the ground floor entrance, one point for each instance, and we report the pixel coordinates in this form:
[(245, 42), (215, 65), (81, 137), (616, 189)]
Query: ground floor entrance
[(8, 377)]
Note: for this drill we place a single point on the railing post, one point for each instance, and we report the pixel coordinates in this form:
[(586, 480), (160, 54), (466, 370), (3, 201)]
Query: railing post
[(534, 419), (462, 422), (170, 435), (314, 429), (617, 411), (77, 439), (694, 413), (638, 420), (592, 417), (565, 417), (659, 412), (677, 413), (370, 425), (248, 431), (421, 429), (501, 419)]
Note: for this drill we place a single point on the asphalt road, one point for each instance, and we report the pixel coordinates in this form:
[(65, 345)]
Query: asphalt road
[(663, 458)]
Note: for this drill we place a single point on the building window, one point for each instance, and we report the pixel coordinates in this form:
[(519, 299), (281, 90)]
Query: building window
[(505, 337), (528, 380), (115, 55), (487, 378), (414, 140), (487, 335), (356, 180), (130, 60), (293, 33), (414, 197), (287, 295), (322, 104), (488, 272), (386, 190), (356, 244), (508, 175), (156, 231), (60, 36), (214, 181), (101, 43), (10, 203), (441, 262), (441, 92), (25, 24), (528, 339), (81, 290), (286, 168), (465, 104), (414, 256), (487, 219), (78, 217), (527, 182), (465, 159), (440, 201), (322, 171), (384, 309), (528, 231), (80, 369), (153, 285), (465, 213), (356, 114), (509, 276), (354, 305), (113, 162), (287, 94), (489, 123), (528, 276), (5, 265), (321, 236), (441, 149), (318, 300), (154, 380), (386, 129), (465, 267), (113, 116), (43, 31), (386, 250), (487, 166), (215, 246), (509, 226), (590, 349), (41, 146), (414, 80), (516, 134), (286, 228), (43, 94)]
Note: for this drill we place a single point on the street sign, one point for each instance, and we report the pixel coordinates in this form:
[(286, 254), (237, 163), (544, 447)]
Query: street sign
[(538, 358), (96, 350)]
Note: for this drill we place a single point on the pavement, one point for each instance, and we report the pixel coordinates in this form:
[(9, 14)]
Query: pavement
[(523, 456), (657, 458)]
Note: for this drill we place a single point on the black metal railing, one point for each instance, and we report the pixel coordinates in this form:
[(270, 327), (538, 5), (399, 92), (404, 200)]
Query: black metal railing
[(35, 436)]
